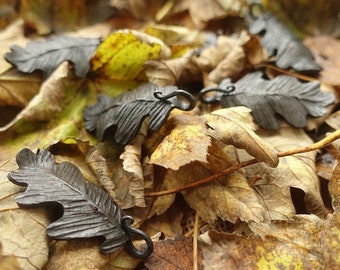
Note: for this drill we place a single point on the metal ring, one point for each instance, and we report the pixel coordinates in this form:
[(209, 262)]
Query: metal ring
[(215, 98), (252, 8), (129, 247), (172, 97)]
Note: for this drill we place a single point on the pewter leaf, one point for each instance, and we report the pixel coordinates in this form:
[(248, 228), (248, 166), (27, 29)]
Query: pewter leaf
[(278, 40), (284, 95), (126, 113), (47, 55), (88, 210)]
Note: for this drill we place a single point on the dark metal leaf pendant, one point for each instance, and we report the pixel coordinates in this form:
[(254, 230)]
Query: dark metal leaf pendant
[(47, 55), (284, 95), (126, 113), (88, 210), (278, 40)]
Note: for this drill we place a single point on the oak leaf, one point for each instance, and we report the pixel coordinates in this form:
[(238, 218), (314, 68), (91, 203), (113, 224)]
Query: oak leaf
[(47, 55), (126, 113), (278, 40), (283, 95), (85, 205)]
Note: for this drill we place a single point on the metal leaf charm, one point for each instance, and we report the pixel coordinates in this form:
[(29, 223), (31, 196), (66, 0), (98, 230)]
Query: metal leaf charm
[(284, 95), (126, 113), (47, 55), (88, 210), (278, 40)]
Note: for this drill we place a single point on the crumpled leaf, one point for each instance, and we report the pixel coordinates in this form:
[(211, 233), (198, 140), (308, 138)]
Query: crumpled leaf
[(122, 54), (172, 254), (190, 137), (47, 55), (88, 210), (278, 245), (296, 171), (283, 95), (230, 197), (278, 40), (212, 9), (126, 113)]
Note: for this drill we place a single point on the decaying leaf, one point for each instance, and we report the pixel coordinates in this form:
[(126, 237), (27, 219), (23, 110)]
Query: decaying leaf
[(171, 255), (122, 54), (279, 245), (21, 231), (47, 55), (296, 171), (284, 95), (87, 210), (126, 113), (278, 40)]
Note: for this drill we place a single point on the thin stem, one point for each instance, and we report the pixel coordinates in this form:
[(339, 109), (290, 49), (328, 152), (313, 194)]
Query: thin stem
[(195, 242), (320, 144)]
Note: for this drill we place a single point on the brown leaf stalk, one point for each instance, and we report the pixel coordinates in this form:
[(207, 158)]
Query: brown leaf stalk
[(195, 243), (318, 145)]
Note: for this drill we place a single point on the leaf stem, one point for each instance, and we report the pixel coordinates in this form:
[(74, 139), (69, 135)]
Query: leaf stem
[(320, 144)]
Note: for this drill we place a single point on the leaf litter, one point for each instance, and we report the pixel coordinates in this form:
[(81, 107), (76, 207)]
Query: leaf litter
[(256, 201)]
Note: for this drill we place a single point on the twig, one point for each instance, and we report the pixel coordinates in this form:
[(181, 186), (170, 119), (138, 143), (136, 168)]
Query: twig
[(195, 239), (320, 144)]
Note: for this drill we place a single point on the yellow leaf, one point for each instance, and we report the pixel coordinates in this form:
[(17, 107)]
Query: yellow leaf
[(122, 54)]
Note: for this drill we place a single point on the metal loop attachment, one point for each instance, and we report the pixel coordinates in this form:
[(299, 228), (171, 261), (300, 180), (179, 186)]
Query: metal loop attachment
[(176, 99), (127, 222), (256, 10), (220, 92)]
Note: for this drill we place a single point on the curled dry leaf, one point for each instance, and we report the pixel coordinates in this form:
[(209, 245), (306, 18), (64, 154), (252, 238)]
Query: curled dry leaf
[(296, 171), (132, 165), (190, 138), (47, 102)]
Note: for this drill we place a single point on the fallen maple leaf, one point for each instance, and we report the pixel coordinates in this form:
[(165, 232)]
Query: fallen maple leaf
[(284, 95), (47, 55)]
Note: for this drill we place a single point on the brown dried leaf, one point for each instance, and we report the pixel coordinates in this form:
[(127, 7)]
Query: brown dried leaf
[(296, 171), (132, 165), (22, 232), (234, 126), (47, 102), (281, 246), (230, 197), (334, 186), (187, 142), (171, 255)]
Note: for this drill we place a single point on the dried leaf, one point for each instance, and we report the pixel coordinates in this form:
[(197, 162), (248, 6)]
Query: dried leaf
[(283, 95), (22, 232), (280, 41), (126, 113), (47, 55), (282, 245), (171, 255), (122, 54), (296, 171), (186, 142), (233, 127), (87, 210)]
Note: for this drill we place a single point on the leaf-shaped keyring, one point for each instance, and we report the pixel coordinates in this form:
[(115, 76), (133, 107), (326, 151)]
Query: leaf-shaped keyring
[(126, 112), (284, 95), (88, 210), (278, 40)]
